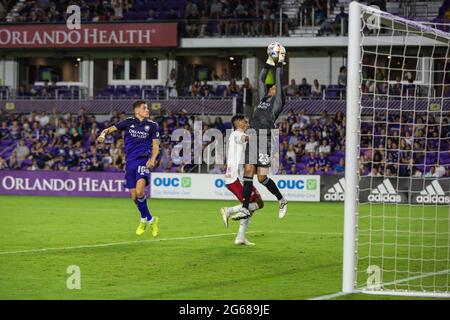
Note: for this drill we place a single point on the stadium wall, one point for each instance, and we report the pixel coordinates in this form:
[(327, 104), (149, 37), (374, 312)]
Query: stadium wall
[(395, 190)]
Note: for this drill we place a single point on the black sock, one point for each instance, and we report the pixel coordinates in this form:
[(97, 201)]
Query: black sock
[(272, 187), (248, 187)]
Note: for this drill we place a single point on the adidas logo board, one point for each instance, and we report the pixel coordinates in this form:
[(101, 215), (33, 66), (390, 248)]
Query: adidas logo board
[(433, 193), (336, 192), (384, 192)]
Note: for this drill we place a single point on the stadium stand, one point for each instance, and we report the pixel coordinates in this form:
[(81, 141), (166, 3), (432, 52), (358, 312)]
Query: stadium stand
[(308, 144)]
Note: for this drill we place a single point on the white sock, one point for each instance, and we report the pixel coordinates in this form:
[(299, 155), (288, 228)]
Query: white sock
[(143, 220), (253, 206), (243, 225), (151, 221), (234, 209)]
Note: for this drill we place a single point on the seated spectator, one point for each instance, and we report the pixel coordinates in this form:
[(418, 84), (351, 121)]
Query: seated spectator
[(340, 167), (293, 169), (312, 161), (396, 88), (117, 6), (340, 22), (268, 23), (295, 139), (316, 89), (204, 25), (171, 88), (380, 80), (165, 161), (22, 152), (440, 171), (13, 163), (311, 146), (172, 15), (291, 90), (151, 15), (323, 163), (3, 164), (325, 148), (223, 25), (342, 78), (291, 157), (304, 88), (192, 22), (417, 173), (96, 165), (4, 132), (256, 22), (375, 172), (233, 88)]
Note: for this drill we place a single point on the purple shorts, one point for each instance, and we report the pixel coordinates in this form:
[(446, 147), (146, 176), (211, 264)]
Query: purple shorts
[(135, 170)]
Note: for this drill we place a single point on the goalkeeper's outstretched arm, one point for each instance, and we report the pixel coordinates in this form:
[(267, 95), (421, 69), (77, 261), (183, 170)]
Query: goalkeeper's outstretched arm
[(262, 81), (279, 97), (105, 132)]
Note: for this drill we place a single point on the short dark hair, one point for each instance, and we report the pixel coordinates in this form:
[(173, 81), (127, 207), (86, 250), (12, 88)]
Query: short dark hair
[(237, 117), (138, 103)]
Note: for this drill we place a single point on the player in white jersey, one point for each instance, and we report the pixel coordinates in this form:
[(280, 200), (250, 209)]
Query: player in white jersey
[(235, 165)]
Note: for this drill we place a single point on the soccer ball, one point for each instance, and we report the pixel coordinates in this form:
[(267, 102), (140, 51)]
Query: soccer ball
[(273, 50)]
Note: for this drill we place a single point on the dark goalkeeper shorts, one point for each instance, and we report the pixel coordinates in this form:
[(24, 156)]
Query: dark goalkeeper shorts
[(258, 151)]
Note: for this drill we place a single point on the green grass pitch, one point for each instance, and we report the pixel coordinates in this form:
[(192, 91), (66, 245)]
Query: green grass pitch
[(193, 257)]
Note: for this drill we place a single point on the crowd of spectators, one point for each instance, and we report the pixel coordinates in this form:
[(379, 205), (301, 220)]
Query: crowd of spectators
[(410, 144), (68, 142), (413, 145), (251, 18), (197, 18)]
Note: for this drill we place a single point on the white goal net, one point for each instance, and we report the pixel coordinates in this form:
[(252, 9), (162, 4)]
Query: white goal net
[(397, 202)]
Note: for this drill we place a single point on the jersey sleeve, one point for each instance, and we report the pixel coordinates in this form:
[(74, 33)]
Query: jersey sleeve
[(238, 137), (279, 98), (262, 81), (154, 133), (122, 125)]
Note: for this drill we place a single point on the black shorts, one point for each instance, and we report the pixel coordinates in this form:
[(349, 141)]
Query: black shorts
[(258, 151)]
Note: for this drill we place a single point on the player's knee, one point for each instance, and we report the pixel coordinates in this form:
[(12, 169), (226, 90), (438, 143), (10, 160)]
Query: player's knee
[(248, 171), (261, 178), (133, 197), (140, 194)]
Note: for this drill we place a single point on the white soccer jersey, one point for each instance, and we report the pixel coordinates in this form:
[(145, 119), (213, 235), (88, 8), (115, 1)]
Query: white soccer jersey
[(235, 156)]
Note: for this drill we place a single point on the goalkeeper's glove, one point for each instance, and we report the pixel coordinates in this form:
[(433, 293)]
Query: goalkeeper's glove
[(270, 61), (282, 56)]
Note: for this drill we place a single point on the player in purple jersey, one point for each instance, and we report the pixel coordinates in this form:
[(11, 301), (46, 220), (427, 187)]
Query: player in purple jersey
[(141, 149)]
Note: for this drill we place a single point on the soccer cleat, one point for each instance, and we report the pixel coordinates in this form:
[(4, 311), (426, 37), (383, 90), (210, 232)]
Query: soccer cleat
[(283, 208), (244, 242), (141, 228), (154, 226), (225, 216), (242, 214)]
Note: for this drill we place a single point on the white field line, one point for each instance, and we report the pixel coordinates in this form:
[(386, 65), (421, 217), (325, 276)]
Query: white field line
[(101, 245), (134, 208), (387, 293), (330, 296)]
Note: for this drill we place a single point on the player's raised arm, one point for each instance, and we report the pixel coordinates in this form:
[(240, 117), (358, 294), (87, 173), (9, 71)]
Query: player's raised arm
[(262, 79), (279, 97), (105, 132)]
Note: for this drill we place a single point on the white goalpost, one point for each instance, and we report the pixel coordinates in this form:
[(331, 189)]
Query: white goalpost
[(397, 172)]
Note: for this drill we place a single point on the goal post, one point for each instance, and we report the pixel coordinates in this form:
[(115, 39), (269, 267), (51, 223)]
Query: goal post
[(397, 169)]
